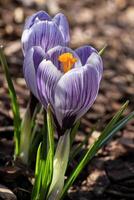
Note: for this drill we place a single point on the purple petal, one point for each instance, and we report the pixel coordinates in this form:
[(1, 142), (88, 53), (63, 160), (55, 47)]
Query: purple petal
[(47, 78), (63, 25), (38, 56), (39, 16), (84, 52), (33, 58), (55, 52), (75, 93), (45, 34), (96, 61)]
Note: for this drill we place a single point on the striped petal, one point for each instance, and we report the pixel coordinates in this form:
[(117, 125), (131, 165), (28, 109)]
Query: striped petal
[(44, 34), (33, 58), (63, 25), (47, 77), (96, 61), (55, 52), (35, 18), (84, 53), (75, 93)]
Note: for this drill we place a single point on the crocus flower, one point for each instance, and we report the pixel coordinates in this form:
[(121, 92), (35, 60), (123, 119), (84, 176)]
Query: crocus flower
[(67, 80), (42, 30)]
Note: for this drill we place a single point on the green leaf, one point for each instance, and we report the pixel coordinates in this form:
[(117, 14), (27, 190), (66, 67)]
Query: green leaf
[(37, 183), (108, 132), (50, 129), (101, 52), (117, 127), (38, 158), (46, 159), (15, 106), (42, 174), (45, 174)]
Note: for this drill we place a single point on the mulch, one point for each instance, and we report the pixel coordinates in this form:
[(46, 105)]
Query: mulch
[(110, 175)]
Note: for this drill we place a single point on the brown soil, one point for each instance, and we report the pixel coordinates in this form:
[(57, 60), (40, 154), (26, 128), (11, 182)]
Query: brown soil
[(110, 175)]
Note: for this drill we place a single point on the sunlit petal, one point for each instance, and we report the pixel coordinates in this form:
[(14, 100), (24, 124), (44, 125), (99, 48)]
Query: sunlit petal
[(63, 25), (84, 52), (35, 18), (47, 78), (44, 34), (96, 61), (33, 58), (75, 93)]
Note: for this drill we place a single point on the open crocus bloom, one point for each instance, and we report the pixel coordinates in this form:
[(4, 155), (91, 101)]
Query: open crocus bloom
[(67, 80), (42, 30)]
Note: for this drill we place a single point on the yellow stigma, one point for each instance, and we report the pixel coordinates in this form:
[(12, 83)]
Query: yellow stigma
[(67, 61)]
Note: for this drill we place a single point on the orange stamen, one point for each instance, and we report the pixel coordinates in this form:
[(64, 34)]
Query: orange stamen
[(67, 61)]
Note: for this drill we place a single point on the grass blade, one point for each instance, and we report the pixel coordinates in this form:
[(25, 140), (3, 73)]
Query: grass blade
[(46, 176), (101, 52), (15, 106), (47, 158), (37, 184), (38, 160), (108, 132), (117, 127), (50, 129)]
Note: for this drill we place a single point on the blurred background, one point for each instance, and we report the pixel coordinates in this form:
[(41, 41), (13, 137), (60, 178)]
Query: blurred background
[(94, 22)]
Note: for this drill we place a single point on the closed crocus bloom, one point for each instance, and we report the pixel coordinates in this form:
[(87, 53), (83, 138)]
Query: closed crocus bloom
[(42, 30), (67, 80)]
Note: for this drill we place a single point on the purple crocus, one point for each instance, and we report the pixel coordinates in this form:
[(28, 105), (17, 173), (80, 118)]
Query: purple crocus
[(67, 80), (42, 30)]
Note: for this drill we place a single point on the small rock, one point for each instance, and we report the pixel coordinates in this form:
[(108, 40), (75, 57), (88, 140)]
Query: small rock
[(118, 170), (52, 6), (121, 4), (6, 194), (12, 48), (99, 180), (127, 139), (130, 65), (26, 2), (9, 29), (84, 15), (40, 2), (93, 137), (130, 15), (18, 15), (9, 174)]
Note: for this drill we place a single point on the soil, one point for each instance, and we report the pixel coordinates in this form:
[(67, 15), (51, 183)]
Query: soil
[(110, 175)]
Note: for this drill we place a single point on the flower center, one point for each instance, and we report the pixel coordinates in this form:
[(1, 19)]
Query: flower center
[(67, 61)]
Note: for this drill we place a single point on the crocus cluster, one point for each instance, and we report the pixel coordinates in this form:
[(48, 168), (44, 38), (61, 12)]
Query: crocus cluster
[(66, 79)]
